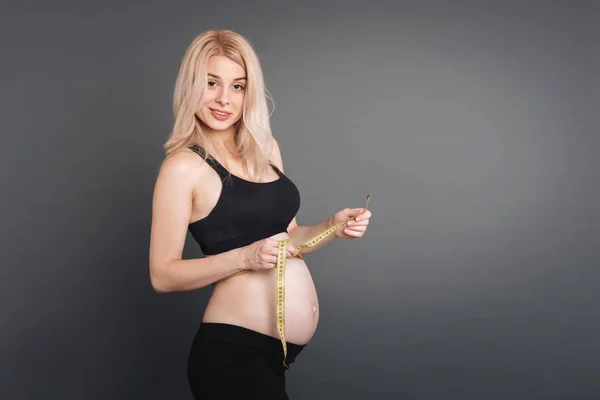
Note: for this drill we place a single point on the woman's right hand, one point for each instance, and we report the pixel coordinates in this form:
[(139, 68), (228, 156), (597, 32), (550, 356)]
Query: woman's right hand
[(262, 254)]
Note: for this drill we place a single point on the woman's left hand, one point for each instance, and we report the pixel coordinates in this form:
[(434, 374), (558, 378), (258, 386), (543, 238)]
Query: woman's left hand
[(353, 229)]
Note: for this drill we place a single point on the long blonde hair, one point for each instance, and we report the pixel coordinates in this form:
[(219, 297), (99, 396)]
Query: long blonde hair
[(253, 138)]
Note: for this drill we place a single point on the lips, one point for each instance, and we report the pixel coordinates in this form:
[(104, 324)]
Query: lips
[(219, 114), (221, 111)]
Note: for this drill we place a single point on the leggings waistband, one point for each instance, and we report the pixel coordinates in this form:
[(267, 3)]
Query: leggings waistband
[(211, 335)]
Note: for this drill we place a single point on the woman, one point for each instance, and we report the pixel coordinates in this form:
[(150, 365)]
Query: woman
[(223, 180)]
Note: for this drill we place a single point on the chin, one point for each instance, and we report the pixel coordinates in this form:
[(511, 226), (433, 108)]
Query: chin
[(219, 125)]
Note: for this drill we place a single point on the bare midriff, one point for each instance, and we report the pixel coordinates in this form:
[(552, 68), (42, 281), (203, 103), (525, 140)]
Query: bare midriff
[(249, 300)]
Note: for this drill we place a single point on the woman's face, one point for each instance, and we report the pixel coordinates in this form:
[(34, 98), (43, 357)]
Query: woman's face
[(224, 95)]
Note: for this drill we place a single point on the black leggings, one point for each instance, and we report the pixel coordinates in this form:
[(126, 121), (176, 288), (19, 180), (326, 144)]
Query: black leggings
[(232, 362)]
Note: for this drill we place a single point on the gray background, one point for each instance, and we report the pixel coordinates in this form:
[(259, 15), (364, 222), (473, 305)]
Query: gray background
[(474, 125)]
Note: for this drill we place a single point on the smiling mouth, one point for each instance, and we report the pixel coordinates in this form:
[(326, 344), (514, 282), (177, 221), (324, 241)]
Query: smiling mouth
[(223, 113)]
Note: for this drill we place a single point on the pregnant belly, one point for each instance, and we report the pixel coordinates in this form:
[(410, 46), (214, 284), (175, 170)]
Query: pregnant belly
[(250, 300)]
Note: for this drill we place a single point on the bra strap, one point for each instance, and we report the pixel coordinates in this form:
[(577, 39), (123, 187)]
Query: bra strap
[(276, 169), (220, 169)]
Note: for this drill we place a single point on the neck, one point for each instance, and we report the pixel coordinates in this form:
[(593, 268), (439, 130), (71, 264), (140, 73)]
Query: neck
[(224, 140)]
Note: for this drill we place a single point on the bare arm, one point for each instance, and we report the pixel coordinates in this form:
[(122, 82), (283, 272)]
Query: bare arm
[(185, 275), (300, 234), (171, 211)]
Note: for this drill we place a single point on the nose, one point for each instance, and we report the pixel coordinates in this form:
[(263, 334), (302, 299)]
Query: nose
[(222, 97)]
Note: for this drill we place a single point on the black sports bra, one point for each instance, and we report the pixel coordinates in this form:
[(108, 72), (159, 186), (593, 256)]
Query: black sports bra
[(245, 211)]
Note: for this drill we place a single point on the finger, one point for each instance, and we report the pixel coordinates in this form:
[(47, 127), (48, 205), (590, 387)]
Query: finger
[(357, 228), (271, 244), (269, 259), (292, 250), (271, 251), (352, 233), (356, 212), (365, 215), (356, 222)]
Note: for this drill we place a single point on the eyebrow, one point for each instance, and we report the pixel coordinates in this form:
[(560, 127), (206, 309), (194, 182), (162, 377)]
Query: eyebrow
[(218, 77)]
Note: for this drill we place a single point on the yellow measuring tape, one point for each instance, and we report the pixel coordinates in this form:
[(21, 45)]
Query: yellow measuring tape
[(281, 258)]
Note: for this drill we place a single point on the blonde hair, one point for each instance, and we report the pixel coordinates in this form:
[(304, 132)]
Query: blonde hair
[(253, 138)]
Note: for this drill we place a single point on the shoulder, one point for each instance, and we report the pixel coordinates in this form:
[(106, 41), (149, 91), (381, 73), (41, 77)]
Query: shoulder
[(183, 166)]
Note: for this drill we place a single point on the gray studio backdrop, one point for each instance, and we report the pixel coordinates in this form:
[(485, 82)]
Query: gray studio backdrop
[(473, 125)]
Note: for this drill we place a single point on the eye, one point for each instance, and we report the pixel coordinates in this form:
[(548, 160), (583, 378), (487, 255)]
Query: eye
[(210, 83), (237, 86)]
